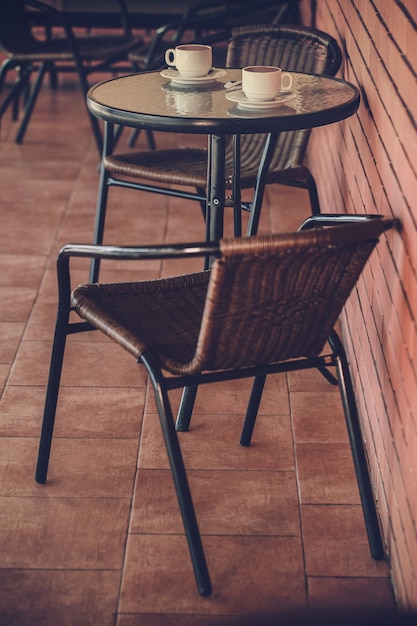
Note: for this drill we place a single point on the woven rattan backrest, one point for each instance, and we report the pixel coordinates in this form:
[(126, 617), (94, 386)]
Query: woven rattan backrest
[(15, 33), (293, 48), (278, 297)]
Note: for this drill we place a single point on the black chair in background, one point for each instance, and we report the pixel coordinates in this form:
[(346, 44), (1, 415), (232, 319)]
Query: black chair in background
[(58, 50)]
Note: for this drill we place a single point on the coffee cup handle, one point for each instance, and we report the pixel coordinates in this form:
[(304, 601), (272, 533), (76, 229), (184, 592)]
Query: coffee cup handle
[(170, 56), (286, 81)]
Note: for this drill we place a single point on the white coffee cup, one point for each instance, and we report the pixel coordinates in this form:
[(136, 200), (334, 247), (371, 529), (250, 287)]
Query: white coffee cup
[(261, 83), (191, 60)]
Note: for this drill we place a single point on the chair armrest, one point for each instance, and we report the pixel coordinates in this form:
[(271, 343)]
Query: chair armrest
[(335, 219), (124, 253), (134, 253)]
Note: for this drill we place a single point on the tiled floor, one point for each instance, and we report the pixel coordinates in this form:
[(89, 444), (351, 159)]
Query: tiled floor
[(101, 543)]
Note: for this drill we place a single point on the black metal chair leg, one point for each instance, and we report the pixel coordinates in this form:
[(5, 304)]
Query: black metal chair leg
[(203, 203), (52, 391), (236, 188), (255, 211), (102, 196), (31, 103), (186, 408), (358, 451), (99, 223), (313, 195), (12, 97), (328, 375), (151, 139), (149, 136), (181, 482), (252, 410)]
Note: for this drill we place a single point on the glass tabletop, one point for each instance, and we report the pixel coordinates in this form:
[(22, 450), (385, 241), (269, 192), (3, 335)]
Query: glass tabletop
[(162, 101)]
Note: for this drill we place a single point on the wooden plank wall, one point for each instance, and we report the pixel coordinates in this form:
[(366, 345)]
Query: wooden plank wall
[(369, 164)]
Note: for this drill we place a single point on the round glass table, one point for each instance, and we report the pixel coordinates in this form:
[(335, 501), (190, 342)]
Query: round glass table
[(162, 101)]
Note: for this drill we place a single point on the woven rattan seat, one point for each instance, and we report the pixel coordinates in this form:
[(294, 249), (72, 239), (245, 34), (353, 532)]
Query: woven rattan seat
[(268, 304), (292, 47), (60, 50)]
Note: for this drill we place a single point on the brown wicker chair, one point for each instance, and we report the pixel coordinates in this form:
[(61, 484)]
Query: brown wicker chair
[(292, 47), (268, 305), (57, 52)]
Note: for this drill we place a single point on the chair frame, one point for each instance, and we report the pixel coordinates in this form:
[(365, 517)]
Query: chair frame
[(26, 63), (163, 383)]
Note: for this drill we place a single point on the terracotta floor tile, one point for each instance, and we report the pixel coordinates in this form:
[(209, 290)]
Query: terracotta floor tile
[(138, 224), (19, 270), (10, 335), (16, 303), (56, 191), (289, 207), (232, 397), (46, 597), (40, 241), (78, 468), (226, 503), (21, 411), (311, 381), (40, 169), (326, 474), (336, 544), (41, 324), (86, 364), (248, 574), (213, 443), (4, 373), (318, 417), (361, 594), (82, 412), (62, 533)]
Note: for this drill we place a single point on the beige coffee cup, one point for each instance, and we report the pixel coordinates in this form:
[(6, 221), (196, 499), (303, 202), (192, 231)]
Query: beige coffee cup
[(261, 83), (191, 60)]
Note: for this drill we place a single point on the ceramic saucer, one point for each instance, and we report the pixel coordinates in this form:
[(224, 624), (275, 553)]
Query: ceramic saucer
[(245, 103), (177, 79)]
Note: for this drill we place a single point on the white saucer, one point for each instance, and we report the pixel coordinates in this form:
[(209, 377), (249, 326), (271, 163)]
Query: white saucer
[(242, 100), (176, 78)]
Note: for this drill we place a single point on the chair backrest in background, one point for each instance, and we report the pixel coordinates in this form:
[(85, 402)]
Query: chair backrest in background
[(293, 48)]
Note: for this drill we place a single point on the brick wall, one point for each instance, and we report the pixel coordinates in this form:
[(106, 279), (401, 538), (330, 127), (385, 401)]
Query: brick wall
[(369, 164)]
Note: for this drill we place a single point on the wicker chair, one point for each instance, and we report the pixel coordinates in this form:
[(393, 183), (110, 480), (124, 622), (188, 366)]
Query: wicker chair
[(292, 47), (57, 52), (268, 305)]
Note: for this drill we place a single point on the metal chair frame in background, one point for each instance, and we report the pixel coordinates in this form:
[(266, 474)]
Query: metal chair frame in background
[(27, 53)]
